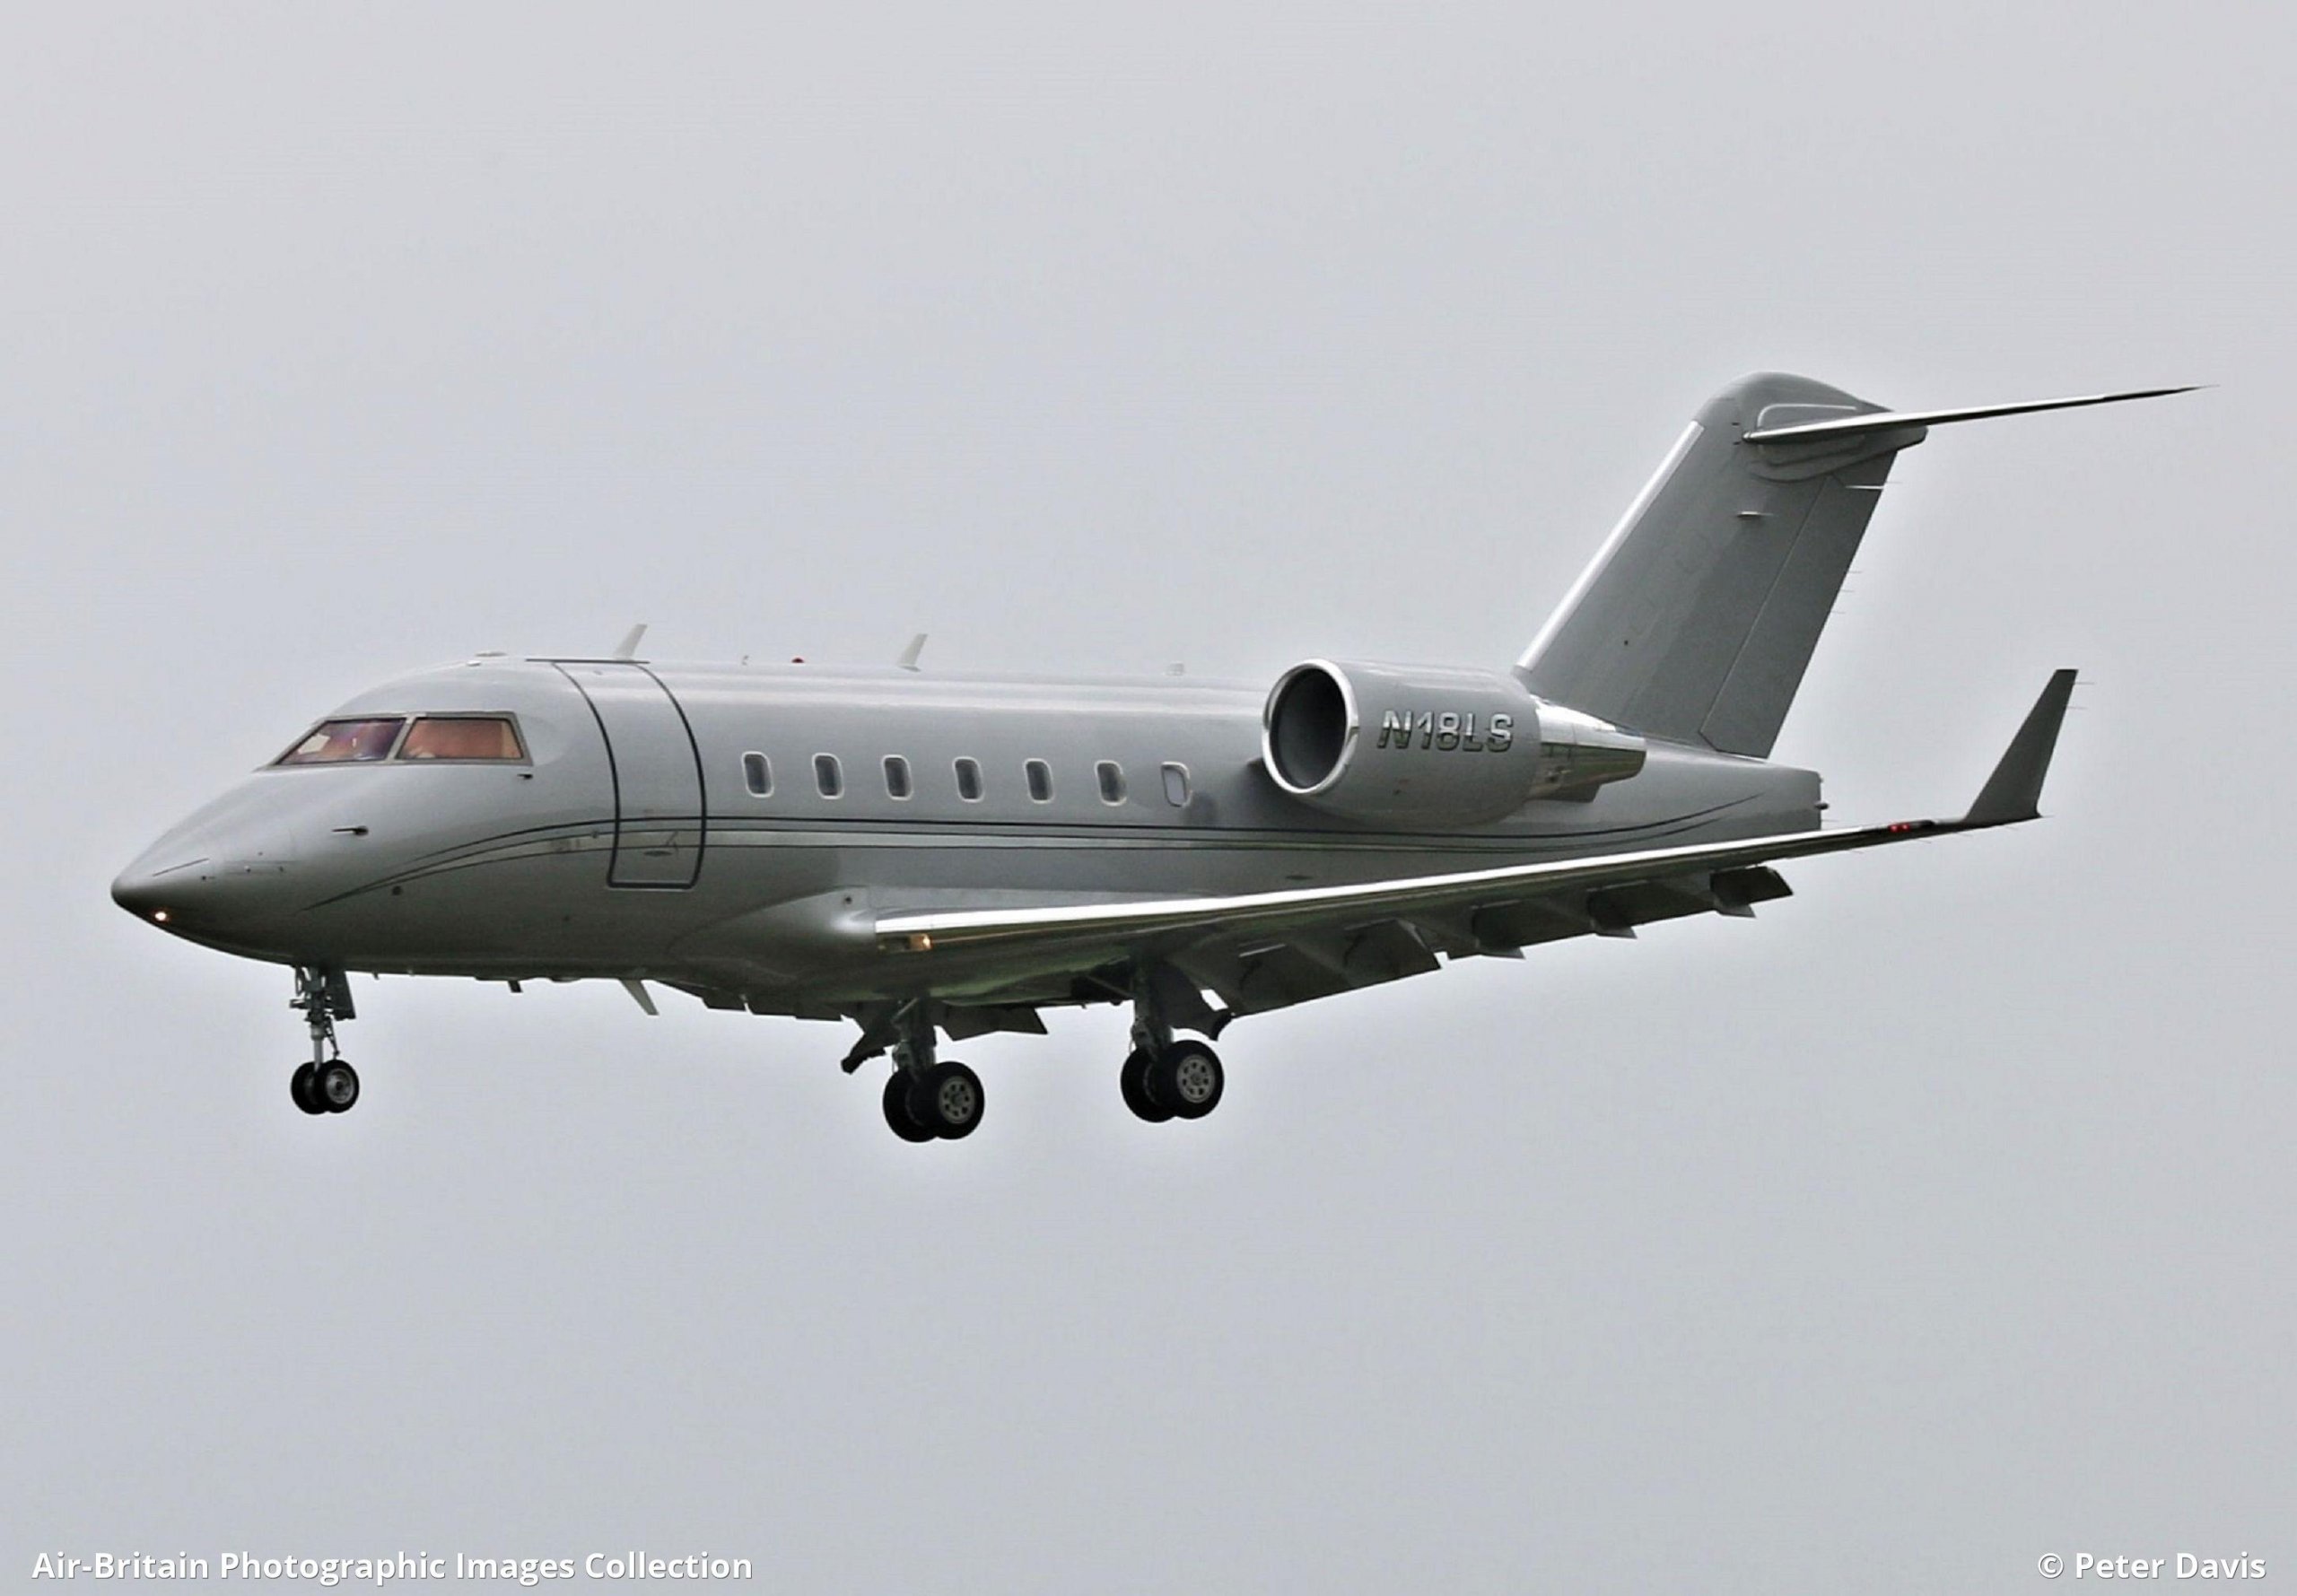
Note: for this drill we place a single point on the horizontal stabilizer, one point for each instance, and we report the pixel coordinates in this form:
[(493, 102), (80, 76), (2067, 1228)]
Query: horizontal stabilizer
[(1877, 421), (2014, 791)]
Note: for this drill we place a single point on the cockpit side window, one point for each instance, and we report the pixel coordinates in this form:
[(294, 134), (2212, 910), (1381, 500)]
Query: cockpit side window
[(344, 742), (462, 737)]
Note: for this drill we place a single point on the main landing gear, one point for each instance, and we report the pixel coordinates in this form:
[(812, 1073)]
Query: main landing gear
[(326, 1085), (1164, 1076), (930, 1099), (1180, 1081)]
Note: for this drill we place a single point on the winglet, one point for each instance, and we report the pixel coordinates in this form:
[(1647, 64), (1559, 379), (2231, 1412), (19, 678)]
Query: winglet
[(2013, 792), (627, 648), (908, 660)]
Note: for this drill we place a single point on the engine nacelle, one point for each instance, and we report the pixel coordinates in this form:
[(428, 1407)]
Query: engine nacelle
[(1428, 744)]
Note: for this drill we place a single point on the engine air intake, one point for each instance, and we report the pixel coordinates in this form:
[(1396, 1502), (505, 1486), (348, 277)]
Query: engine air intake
[(1384, 742), (1311, 727)]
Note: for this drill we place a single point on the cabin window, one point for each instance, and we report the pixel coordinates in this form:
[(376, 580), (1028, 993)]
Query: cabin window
[(343, 742), (1040, 775), (1112, 778), (827, 776), (758, 775), (897, 776), (969, 780), (1176, 785)]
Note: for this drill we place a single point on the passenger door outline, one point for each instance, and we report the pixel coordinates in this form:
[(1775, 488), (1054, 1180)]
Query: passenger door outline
[(655, 765)]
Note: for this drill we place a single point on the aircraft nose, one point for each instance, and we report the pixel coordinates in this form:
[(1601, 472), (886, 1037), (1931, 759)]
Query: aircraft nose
[(137, 891), (207, 882), (178, 894)]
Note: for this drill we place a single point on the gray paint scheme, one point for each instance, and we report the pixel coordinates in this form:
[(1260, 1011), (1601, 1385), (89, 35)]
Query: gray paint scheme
[(629, 847)]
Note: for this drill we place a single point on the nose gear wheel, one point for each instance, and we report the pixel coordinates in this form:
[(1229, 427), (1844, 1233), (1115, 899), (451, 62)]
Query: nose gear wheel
[(299, 1087)]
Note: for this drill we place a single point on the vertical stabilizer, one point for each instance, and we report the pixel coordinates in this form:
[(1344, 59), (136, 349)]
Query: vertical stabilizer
[(1697, 620)]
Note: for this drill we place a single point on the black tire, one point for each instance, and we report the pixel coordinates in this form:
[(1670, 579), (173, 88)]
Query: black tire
[(299, 1087), (335, 1087), (897, 1115), (1132, 1080), (1188, 1077), (949, 1099)]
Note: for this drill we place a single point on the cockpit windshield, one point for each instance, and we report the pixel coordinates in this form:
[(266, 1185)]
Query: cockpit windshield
[(340, 742), (428, 737), (462, 737)]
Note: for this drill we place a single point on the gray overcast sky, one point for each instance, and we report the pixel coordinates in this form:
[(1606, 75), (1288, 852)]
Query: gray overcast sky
[(1936, 1221)]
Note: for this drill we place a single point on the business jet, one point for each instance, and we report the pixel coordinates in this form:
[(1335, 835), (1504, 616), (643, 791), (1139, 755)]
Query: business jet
[(925, 855)]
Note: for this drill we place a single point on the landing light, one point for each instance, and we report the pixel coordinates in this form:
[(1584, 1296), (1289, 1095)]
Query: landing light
[(160, 915)]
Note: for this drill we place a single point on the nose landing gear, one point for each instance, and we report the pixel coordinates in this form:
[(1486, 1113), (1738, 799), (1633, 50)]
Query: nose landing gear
[(326, 1085)]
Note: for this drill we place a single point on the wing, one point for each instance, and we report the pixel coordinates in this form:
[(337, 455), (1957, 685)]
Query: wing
[(1260, 950)]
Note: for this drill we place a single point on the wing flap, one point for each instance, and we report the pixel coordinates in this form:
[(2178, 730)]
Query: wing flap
[(1311, 964)]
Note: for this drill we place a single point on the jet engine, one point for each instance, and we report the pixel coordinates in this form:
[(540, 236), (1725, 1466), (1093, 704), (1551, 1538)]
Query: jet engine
[(1389, 743)]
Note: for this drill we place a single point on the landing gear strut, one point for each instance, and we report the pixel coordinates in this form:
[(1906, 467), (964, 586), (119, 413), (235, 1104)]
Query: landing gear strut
[(929, 1099), (326, 1085), (1164, 1077)]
